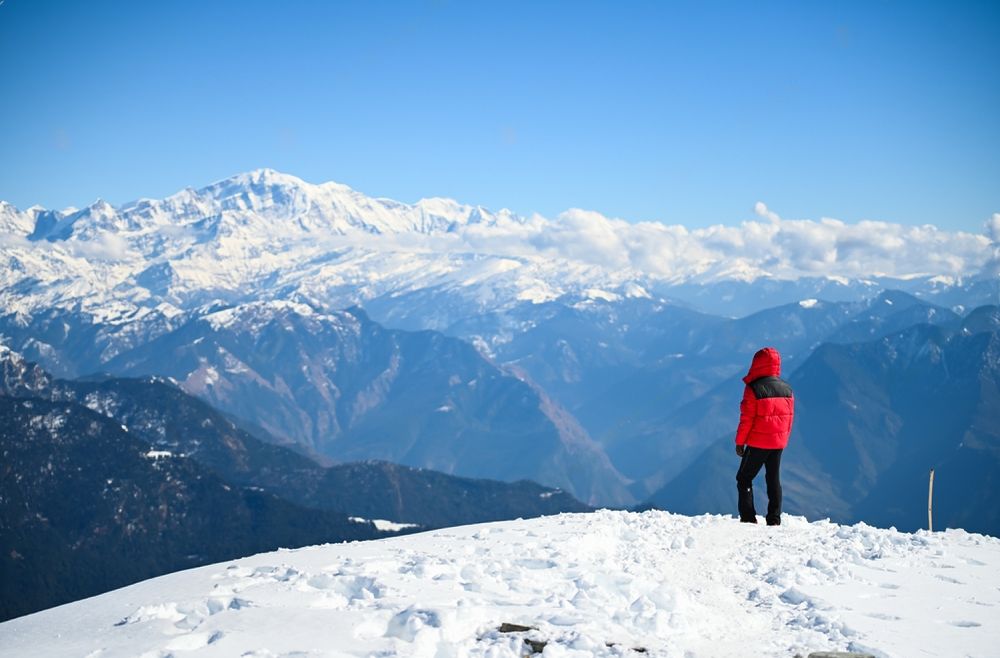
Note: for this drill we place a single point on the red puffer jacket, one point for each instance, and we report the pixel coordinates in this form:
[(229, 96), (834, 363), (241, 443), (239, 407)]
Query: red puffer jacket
[(768, 405)]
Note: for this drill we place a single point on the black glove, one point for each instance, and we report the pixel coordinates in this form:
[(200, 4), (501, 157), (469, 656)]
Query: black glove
[(740, 449)]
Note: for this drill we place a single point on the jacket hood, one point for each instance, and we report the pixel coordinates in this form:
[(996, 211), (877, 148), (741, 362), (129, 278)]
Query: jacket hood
[(766, 363)]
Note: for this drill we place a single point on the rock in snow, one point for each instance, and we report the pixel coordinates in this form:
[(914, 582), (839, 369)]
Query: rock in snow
[(603, 584)]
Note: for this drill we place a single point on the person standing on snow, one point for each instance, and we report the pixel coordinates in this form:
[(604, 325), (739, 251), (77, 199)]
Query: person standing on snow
[(766, 414)]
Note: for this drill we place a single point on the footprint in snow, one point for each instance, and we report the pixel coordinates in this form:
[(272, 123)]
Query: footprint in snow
[(965, 624), (794, 596), (883, 616), (949, 579), (349, 586), (679, 543), (980, 603), (185, 617), (194, 641), (532, 563)]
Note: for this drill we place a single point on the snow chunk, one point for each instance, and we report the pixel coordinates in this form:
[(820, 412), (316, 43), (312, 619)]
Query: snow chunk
[(635, 291), (597, 293), (383, 525), (808, 303), (256, 313), (537, 294)]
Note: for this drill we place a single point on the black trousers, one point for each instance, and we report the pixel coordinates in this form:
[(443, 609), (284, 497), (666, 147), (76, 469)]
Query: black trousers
[(753, 459)]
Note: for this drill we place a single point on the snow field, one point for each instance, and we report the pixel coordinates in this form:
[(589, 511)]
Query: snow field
[(600, 584)]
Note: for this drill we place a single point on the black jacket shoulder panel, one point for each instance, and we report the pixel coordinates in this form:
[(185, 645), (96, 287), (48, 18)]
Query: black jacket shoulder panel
[(771, 387)]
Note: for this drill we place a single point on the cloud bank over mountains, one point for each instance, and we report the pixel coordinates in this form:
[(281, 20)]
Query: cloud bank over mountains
[(775, 246), (256, 224)]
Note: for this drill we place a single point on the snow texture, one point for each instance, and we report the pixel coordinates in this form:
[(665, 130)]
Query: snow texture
[(601, 584)]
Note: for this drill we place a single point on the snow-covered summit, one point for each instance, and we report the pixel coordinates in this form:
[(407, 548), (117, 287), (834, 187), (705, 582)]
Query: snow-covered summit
[(601, 584), (252, 317)]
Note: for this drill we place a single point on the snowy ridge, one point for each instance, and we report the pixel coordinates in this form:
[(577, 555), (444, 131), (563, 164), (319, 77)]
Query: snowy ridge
[(255, 313), (601, 584), (265, 234)]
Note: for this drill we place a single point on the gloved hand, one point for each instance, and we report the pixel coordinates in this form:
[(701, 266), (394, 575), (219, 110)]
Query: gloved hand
[(740, 449)]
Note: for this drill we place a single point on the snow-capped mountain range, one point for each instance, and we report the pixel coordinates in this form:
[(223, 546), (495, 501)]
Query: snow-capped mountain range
[(593, 327), (235, 290), (268, 235)]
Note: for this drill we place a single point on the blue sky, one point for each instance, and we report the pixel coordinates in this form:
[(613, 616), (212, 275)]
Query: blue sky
[(683, 112)]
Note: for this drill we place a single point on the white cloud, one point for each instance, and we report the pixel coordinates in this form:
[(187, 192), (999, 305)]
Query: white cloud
[(780, 247), (105, 247), (784, 248), (993, 228), (586, 236), (760, 208)]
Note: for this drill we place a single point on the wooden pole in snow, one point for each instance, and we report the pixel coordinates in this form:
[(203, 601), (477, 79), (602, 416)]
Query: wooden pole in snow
[(930, 503)]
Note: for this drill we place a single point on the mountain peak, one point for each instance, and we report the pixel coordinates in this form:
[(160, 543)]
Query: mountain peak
[(897, 298), (18, 376), (99, 207), (268, 176), (252, 315), (275, 188)]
